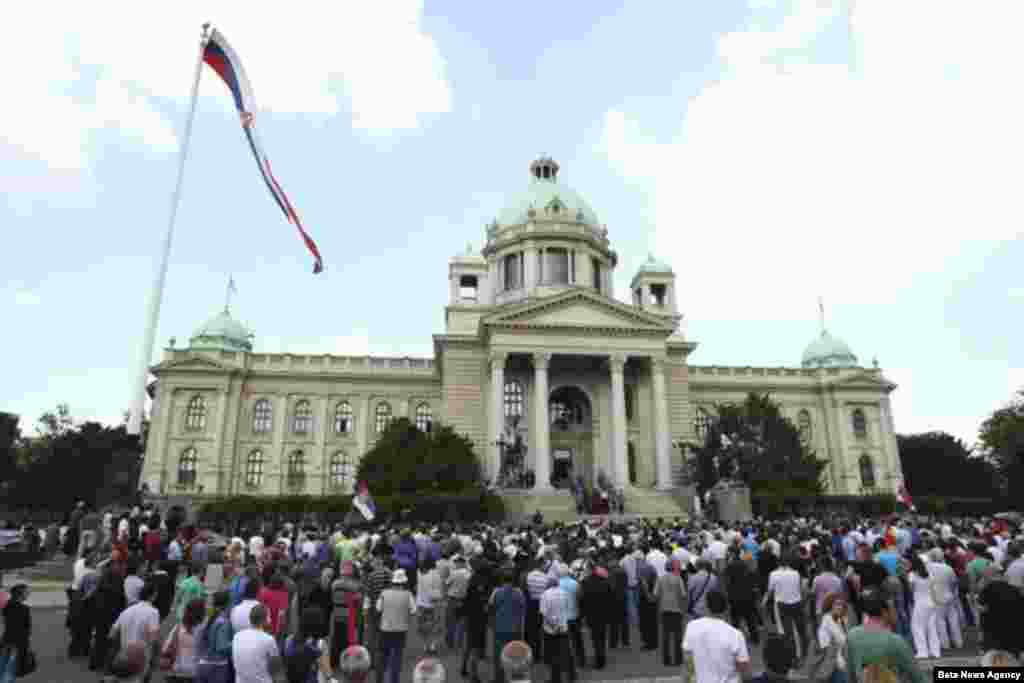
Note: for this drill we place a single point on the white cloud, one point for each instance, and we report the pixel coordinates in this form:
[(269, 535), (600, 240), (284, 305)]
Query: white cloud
[(809, 177), (375, 55)]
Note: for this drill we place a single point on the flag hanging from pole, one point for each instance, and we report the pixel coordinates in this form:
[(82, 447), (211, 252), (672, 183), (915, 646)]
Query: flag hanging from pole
[(222, 58), (905, 498)]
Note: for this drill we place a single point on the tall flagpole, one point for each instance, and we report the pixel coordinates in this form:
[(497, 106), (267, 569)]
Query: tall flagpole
[(156, 296)]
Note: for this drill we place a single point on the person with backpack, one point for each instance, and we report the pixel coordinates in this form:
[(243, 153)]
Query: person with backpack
[(213, 644), (306, 657)]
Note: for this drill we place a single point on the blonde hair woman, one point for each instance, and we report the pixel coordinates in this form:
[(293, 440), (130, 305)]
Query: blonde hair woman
[(832, 637)]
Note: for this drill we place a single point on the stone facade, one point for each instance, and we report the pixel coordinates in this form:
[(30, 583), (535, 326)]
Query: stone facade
[(534, 346)]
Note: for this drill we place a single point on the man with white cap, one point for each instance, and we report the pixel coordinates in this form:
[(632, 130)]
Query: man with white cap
[(396, 606)]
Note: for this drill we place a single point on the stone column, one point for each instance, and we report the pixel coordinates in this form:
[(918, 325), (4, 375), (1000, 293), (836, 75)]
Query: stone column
[(497, 411), (541, 423), (663, 445), (620, 469)]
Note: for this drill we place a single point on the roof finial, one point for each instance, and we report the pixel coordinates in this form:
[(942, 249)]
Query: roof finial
[(821, 314), (231, 290)]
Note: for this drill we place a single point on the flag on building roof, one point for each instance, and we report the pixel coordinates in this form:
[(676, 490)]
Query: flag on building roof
[(222, 58), (364, 502)]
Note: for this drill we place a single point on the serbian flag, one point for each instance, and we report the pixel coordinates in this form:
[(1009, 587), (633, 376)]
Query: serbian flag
[(223, 59), (905, 498), (364, 502)]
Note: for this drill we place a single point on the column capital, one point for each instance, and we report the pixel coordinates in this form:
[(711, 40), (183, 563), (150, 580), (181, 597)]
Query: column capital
[(658, 363), (617, 362), (498, 358), (541, 360)]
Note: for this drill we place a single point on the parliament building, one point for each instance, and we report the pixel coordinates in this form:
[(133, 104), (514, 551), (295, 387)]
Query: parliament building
[(536, 350)]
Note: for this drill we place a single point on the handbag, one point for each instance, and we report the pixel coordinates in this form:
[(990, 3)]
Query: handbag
[(169, 652), (26, 665)]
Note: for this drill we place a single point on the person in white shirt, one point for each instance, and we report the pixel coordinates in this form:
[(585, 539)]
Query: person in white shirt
[(832, 632), (784, 585), (946, 594), (714, 650), (139, 623), (240, 613), (254, 652), (924, 618), (657, 559)]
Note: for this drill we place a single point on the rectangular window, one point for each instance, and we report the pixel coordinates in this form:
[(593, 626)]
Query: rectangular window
[(556, 266), (595, 267), (658, 295), (513, 272), (467, 288), (572, 266)]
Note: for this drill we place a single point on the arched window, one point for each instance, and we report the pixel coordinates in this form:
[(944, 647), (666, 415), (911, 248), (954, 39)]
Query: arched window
[(630, 392), (302, 418), (860, 424), (867, 472), (803, 420), (343, 423), (702, 423), (340, 470), (296, 472), (424, 418), (254, 470), (383, 416), (262, 416), (631, 461), (187, 467), (513, 398), (195, 414)]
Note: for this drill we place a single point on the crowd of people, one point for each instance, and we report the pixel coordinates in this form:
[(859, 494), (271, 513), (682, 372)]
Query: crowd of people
[(835, 598)]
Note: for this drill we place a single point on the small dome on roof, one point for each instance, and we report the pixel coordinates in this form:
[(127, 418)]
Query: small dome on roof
[(827, 351), (545, 193), (653, 265), (222, 333)]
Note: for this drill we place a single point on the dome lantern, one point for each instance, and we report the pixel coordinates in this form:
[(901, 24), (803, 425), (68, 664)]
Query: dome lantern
[(544, 168)]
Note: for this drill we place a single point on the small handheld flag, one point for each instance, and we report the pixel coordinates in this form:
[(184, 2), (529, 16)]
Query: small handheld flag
[(222, 58), (364, 502)]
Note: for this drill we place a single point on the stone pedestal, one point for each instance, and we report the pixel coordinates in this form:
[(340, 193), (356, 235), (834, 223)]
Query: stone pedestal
[(732, 502)]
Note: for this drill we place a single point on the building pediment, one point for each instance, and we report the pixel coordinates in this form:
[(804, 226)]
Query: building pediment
[(193, 363), (577, 309), (865, 379)]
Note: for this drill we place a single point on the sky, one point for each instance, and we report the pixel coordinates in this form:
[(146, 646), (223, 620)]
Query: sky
[(772, 152)]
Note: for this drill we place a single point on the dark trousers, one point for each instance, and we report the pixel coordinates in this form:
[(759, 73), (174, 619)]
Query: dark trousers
[(794, 625), (100, 643), (392, 646), (746, 611), (599, 637), (80, 625), (576, 633), (672, 638), (559, 657), (649, 624), (534, 633), (618, 626)]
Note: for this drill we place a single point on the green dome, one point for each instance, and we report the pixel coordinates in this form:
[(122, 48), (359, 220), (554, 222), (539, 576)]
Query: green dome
[(545, 192), (828, 352), (222, 333), (653, 265)]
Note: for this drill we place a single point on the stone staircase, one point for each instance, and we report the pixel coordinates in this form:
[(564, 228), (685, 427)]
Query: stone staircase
[(556, 506), (654, 503)]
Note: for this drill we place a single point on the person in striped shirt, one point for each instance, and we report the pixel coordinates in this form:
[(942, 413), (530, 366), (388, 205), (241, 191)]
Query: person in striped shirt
[(536, 584)]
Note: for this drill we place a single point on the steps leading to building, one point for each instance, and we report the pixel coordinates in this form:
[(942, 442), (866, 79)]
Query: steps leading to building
[(653, 503), (556, 506)]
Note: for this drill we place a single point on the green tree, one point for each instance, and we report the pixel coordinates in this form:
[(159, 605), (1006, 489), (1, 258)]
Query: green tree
[(1002, 438), (939, 464), (10, 442), (754, 442), (407, 460), (90, 461)]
